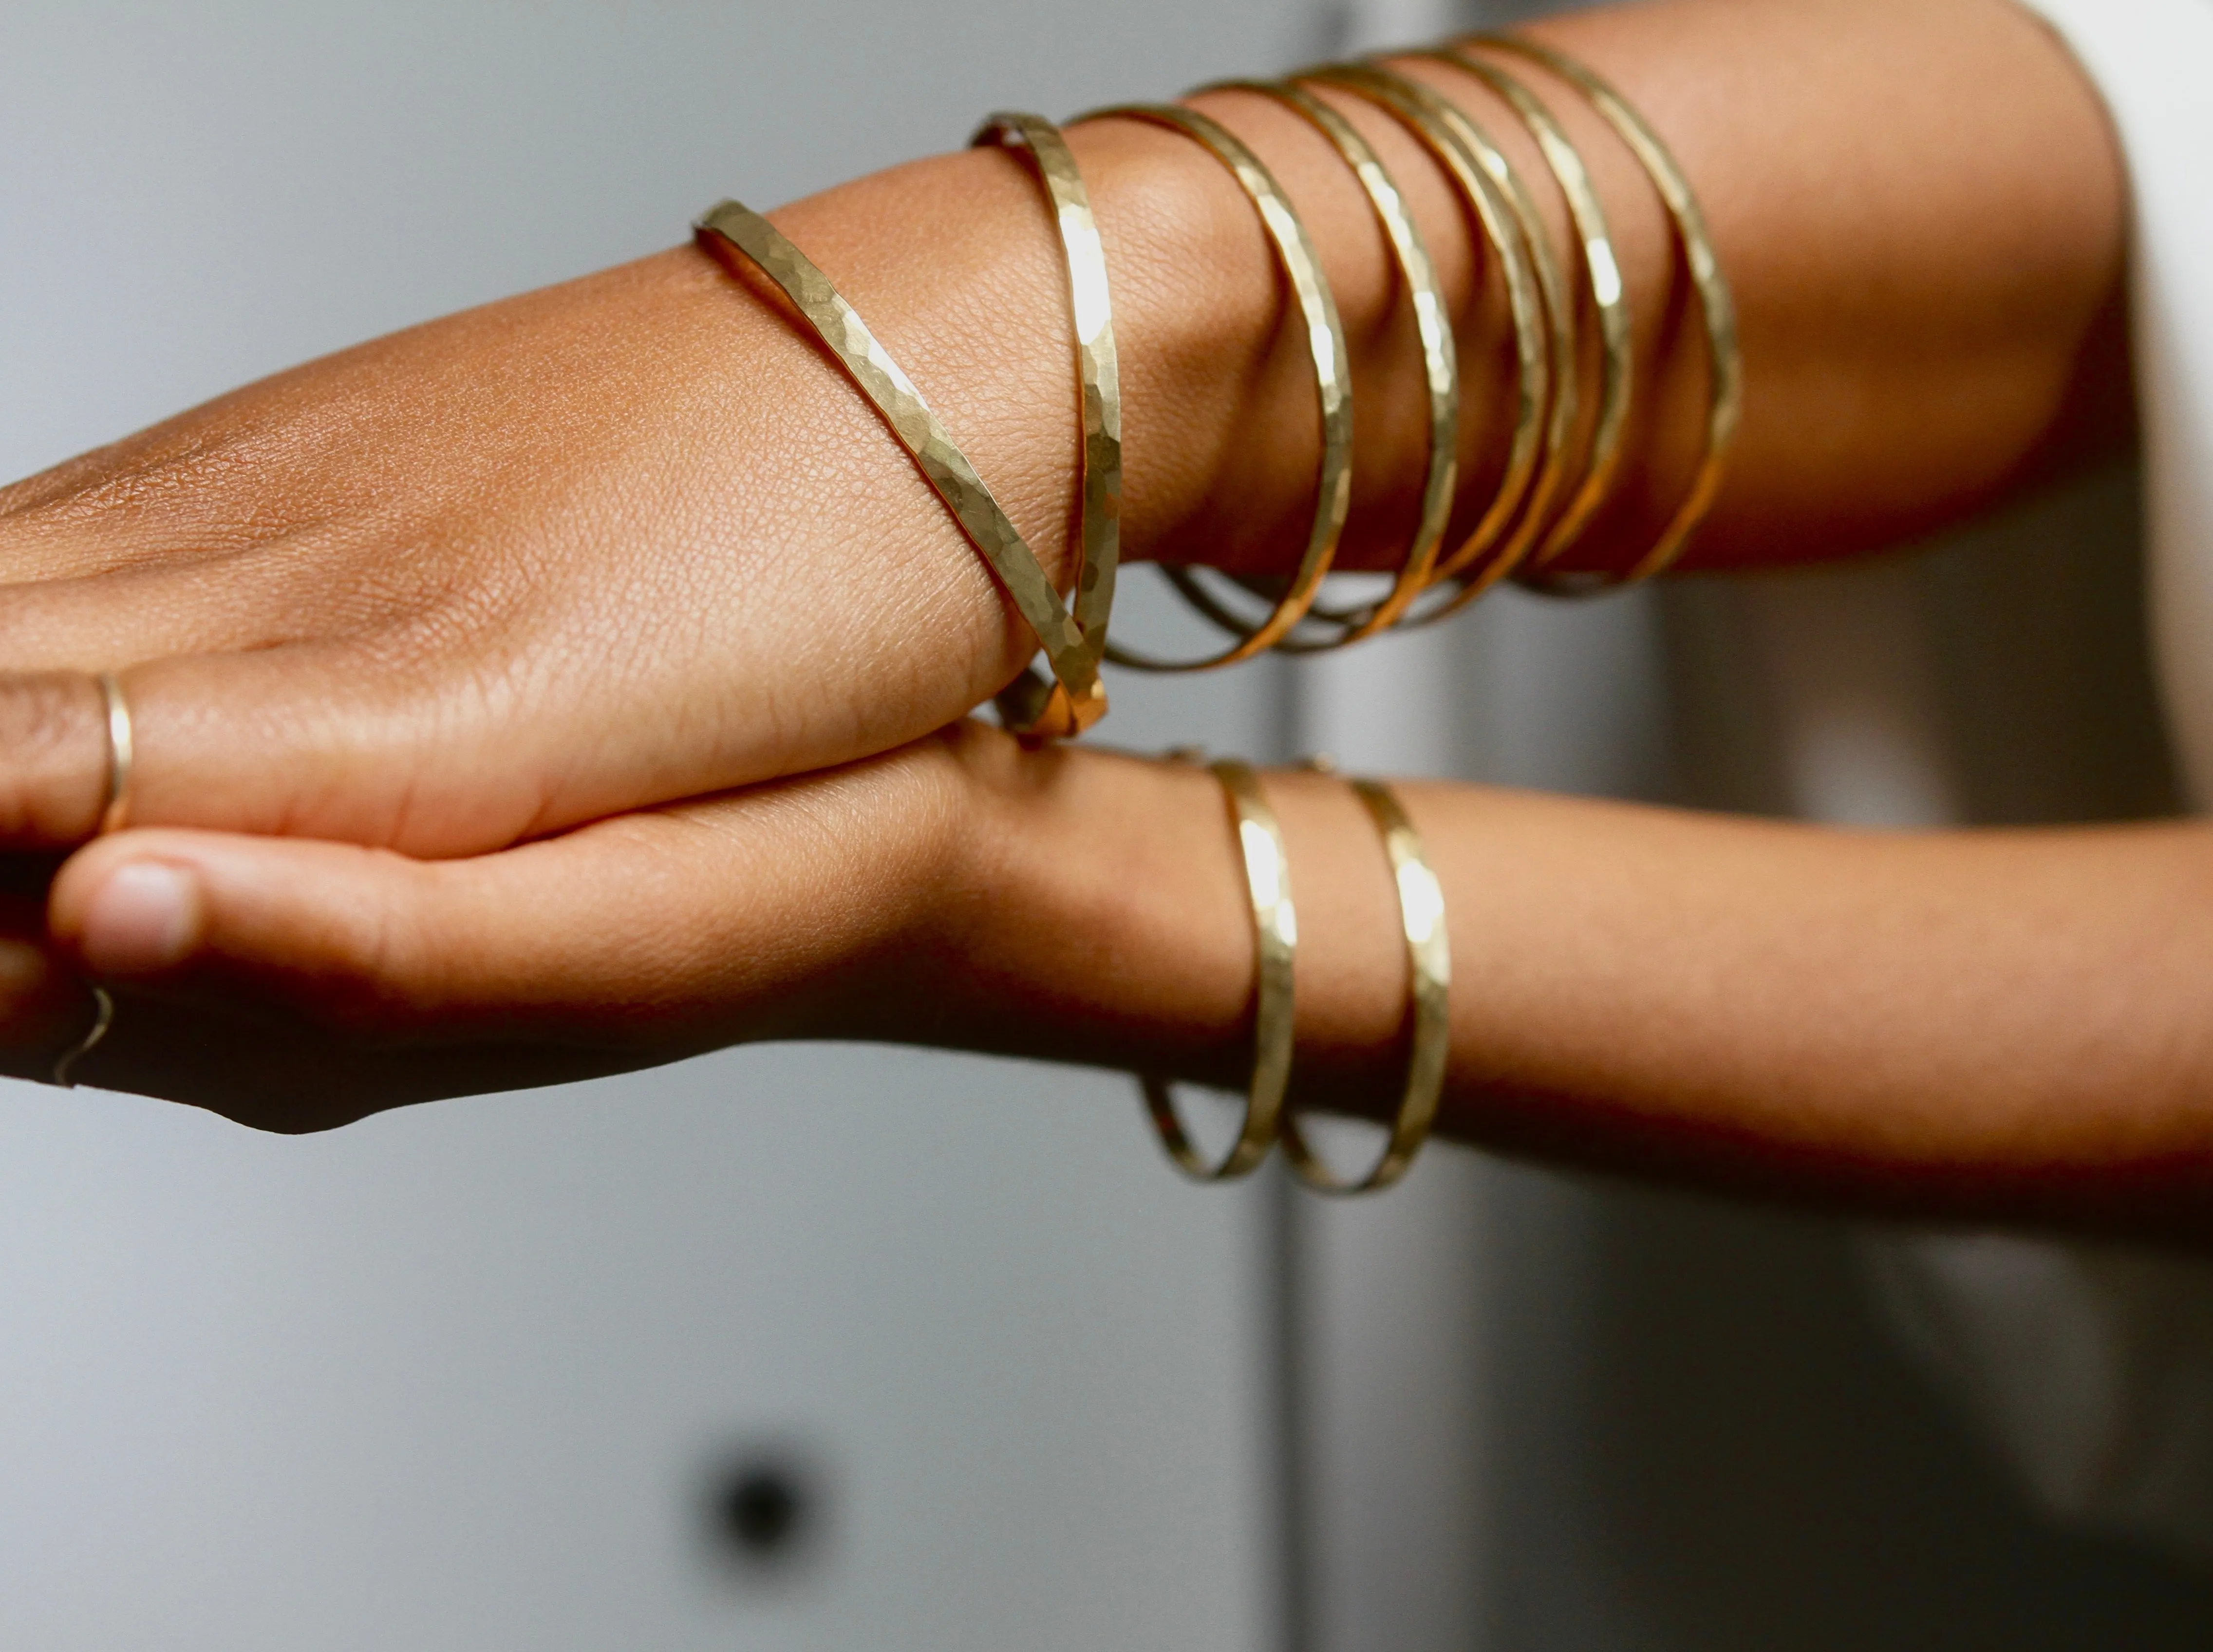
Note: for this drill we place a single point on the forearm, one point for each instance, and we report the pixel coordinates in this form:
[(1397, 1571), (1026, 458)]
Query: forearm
[(633, 539), (1999, 1025), (2004, 1026), (1920, 206)]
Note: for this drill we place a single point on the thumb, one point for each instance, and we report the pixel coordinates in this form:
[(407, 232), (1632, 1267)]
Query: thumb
[(755, 914)]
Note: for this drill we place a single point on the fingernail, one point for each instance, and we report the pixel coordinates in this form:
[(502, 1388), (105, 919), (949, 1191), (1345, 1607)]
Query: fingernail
[(145, 917), (37, 1001), (24, 972)]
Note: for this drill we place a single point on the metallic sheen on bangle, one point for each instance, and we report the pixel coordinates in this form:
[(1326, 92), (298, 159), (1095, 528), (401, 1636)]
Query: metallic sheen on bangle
[(1724, 356), (1507, 219), (935, 454), (1275, 943), (115, 808), (1325, 336), (1609, 295), (1030, 706), (1439, 361), (1428, 964)]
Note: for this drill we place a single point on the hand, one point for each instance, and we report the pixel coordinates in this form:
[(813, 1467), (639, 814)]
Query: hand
[(634, 539), (293, 985), (622, 541)]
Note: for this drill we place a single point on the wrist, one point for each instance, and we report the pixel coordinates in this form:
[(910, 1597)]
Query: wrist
[(1090, 911), (955, 262), (1091, 907)]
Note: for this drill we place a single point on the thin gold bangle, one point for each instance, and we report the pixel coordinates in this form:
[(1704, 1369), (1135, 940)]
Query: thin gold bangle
[(1275, 946), (1724, 354), (924, 437), (1440, 360), (1535, 298), (1325, 334), (1429, 966), (1608, 294), (1030, 706)]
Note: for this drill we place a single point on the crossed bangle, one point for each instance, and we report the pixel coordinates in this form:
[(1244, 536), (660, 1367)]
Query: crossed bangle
[(1554, 480), (1073, 643)]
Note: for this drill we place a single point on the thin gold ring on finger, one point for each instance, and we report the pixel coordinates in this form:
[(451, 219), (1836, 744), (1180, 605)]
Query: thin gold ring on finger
[(117, 808), (103, 1018)]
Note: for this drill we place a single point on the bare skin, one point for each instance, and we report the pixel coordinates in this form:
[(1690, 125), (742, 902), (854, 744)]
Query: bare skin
[(579, 545), (633, 539), (1996, 1025)]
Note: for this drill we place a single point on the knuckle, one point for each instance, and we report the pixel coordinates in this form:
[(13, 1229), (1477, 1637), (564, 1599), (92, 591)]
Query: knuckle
[(53, 758)]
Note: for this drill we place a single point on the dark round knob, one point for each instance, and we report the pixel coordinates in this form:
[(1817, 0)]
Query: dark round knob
[(765, 1510)]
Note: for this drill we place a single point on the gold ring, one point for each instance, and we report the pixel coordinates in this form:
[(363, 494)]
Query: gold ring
[(117, 808), (1275, 943), (103, 1017), (1429, 962)]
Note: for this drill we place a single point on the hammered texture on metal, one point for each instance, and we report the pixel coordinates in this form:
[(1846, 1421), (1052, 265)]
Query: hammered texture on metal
[(1099, 392), (1302, 267), (920, 431), (1724, 356), (1609, 297), (1275, 943)]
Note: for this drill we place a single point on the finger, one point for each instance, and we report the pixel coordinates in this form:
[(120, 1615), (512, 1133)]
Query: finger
[(270, 1073), (45, 1009), (341, 741), (55, 761), (188, 600), (132, 502), (637, 938)]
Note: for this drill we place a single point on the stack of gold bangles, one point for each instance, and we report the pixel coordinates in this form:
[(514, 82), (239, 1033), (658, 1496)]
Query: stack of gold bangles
[(1563, 458)]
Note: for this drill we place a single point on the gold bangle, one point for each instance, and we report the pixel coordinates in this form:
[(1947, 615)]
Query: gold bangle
[(1535, 296), (1724, 355), (1325, 335), (1030, 706), (1439, 361), (1275, 943), (1609, 294), (1429, 965), (924, 437)]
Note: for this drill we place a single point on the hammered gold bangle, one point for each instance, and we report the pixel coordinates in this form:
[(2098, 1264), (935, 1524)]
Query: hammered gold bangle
[(1030, 706), (881, 379), (1535, 297), (1429, 966), (1275, 944), (1440, 360), (1325, 335), (1724, 355), (1609, 295)]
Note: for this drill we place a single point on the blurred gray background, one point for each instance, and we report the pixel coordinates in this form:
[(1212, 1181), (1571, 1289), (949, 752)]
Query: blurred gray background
[(814, 1347)]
